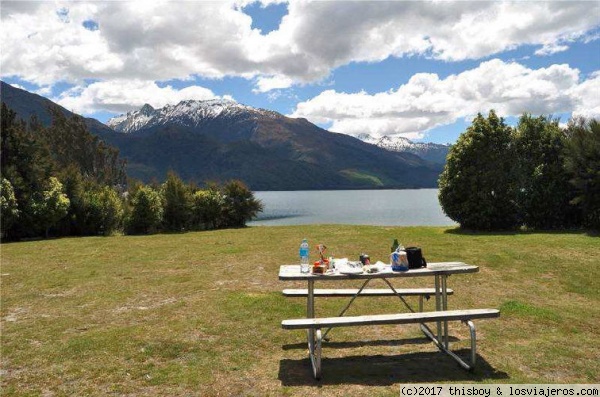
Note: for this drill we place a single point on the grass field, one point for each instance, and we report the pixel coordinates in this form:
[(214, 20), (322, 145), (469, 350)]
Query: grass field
[(200, 313)]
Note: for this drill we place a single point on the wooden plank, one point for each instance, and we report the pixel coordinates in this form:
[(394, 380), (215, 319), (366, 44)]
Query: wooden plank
[(381, 319), (366, 292), (292, 272)]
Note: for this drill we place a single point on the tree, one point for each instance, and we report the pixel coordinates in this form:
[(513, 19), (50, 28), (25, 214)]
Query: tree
[(240, 205), (146, 212), (207, 207), (582, 163), (30, 155), (477, 188), (103, 211), (71, 144), (176, 202), (50, 205), (27, 165), (8, 205), (544, 191)]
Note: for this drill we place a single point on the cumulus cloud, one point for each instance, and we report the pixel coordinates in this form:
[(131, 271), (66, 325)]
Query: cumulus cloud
[(265, 84), (587, 97), (426, 101), (121, 96), (551, 48), (48, 41)]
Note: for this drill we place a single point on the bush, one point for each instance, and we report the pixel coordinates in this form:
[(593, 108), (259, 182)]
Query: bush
[(176, 204), (50, 205), (240, 205), (583, 166), (103, 209), (544, 191), (207, 207), (477, 188), (146, 212), (8, 205)]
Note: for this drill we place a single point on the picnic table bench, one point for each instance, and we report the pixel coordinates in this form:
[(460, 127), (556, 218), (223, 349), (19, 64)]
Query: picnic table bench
[(441, 316)]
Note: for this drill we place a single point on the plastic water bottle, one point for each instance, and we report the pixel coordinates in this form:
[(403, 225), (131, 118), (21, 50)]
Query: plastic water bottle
[(304, 268)]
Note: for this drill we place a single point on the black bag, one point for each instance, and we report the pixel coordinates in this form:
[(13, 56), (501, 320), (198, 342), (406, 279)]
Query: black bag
[(415, 258)]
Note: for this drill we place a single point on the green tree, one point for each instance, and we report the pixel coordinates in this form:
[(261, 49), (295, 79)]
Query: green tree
[(103, 211), (26, 163), (477, 188), (146, 211), (207, 207), (544, 191), (30, 155), (71, 144), (177, 203), (582, 163), (50, 205), (75, 188), (8, 205), (240, 205)]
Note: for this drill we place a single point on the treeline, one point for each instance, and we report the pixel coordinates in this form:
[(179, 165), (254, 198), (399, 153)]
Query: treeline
[(535, 175), (61, 180)]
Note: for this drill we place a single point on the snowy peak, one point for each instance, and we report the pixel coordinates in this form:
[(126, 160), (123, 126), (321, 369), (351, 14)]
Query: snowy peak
[(188, 113), (397, 144), (429, 151), (147, 110)]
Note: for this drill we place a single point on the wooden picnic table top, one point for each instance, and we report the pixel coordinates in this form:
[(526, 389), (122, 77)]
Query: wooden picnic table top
[(292, 272)]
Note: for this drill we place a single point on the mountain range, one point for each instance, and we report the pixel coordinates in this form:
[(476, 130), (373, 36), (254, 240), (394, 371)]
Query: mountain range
[(220, 139), (433, 152)]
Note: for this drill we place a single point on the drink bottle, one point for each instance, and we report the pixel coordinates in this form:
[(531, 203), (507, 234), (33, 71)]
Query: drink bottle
[(304, 267)]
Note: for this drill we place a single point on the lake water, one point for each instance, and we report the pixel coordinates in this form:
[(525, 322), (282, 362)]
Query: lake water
[(415, 207)]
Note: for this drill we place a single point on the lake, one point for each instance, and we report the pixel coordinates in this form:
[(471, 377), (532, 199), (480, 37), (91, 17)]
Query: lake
[(412, 207)]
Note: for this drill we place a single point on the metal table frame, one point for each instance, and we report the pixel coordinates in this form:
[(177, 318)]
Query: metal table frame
[(440, 271)]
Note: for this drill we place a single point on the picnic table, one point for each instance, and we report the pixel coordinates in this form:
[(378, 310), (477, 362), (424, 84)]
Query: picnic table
[(441, 316)]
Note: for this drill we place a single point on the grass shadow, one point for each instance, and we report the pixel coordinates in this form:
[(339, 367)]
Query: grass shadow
[(470, 232), (379, 370)]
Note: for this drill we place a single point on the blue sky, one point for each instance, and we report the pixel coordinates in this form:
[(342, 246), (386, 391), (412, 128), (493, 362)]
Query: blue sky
[(414, 69)]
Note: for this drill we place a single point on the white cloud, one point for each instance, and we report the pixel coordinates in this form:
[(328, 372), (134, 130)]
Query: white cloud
[(426, 101), (587, 97), (40, 47), (166, 40), (265, 84), (552, 48), (121, 96)]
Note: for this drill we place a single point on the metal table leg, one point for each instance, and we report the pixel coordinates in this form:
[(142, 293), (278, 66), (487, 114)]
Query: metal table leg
[(314, 352), (445, 307), (438, 305)]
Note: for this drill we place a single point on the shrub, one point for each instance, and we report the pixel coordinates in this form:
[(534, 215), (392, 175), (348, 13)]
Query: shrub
[(8, 205), (544, 191), (583, 166), (50, 205), (103, 210), (477, 188), (240, 205), (146, 212), (176, 204), (207, 207)]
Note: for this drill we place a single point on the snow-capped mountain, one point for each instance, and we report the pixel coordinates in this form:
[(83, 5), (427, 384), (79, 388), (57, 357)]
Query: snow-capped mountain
[(429, 151), (223, 140), (188, 113)]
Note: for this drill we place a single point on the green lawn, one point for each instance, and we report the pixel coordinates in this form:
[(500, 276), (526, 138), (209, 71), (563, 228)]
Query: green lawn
[(199, 314)]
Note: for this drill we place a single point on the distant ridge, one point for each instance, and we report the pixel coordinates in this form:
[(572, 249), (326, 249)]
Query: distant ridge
[(188, 113), (433, 152), (26, 104), (220, 140)]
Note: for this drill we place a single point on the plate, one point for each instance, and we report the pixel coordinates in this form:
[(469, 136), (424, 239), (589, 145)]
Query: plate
[(350, 270)]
